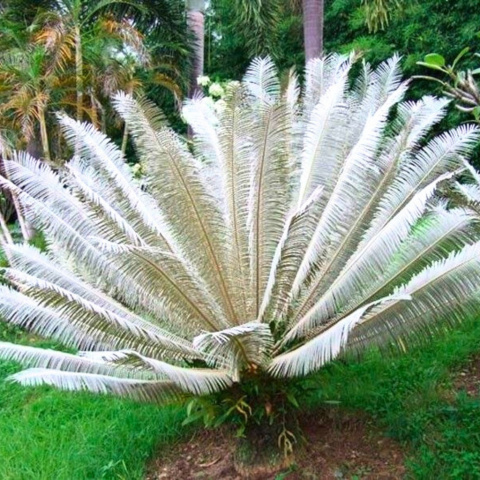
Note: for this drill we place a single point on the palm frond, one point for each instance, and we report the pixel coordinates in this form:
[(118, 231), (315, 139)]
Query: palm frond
[(245, 346), (55, 360), (171, 164), (292, 229), (198, 381), (162, 391)]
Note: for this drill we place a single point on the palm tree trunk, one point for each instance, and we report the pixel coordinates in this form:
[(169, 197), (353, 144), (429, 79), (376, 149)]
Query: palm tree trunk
[(313, 28), (196, 25), (44, 136), (79, 72)]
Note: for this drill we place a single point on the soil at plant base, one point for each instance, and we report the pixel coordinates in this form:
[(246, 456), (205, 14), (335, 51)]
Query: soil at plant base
[(468, 378), (340, 446)]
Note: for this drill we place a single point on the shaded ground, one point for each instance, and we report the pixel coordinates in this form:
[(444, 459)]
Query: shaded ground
[(340, 446), (468, 378)]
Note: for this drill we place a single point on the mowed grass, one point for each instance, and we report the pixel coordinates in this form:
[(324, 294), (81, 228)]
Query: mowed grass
[(46, 434), (50, 435)]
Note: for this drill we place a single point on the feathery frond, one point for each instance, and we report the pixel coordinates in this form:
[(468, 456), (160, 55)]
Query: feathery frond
[(294, 228)]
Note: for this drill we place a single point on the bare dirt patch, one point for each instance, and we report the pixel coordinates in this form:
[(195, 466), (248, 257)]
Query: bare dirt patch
[(340, 446), (468, 378)]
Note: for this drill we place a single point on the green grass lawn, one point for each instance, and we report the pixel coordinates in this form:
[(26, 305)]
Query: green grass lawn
[(46, 434), (51, 435)]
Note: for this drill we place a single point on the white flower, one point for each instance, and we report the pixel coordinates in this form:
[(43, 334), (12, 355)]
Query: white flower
[(203, 81), (216, 90)]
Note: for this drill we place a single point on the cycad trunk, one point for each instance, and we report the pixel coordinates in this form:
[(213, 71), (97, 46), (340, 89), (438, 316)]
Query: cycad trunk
[(313, 28), (196, 26)]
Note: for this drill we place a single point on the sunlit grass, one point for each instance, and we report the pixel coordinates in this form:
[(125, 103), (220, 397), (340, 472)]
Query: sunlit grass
[(51, 435)]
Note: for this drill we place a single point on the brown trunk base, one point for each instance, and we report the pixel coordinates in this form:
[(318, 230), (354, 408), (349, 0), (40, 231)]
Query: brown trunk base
[(260, 454)]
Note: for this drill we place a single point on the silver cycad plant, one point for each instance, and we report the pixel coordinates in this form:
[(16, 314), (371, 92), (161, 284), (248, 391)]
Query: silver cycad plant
[(301, 224)]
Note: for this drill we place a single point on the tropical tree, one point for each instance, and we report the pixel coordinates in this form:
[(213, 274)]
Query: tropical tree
[(303, 227), (263, 17), (63, 29), (26, 87)]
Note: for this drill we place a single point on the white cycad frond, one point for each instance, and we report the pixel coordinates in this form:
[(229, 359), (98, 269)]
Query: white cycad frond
[(97, 322), (471, 192), (269, 199), (441, 155), (246, 346), (140, 390), (373, 89), (292, 92), (236, 178), (448, 289), (62, 220), (322, 152), (203, 121), (291, 96), (323, 348), (192, 213), (419, 117), (350, 201), (198, 381), (261, 79), (372, 256), (473, 172), (385, 79), (31, 261), (108, 171), (299, 229), (445, 152), (40, 183), (414, 118), (55, 360), (157, 273), (108, 221), (22, 311), (437, 235), (321, 74)]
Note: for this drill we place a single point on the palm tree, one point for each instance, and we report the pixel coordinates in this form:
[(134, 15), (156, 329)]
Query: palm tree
[(301, 228), (63, 29), (26, 88), (265, 16)]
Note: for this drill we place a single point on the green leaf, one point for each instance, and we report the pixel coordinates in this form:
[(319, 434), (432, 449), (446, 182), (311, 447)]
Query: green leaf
[(192, 418), (476, 113), (291, 398), (434, 60), (459, 56)]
